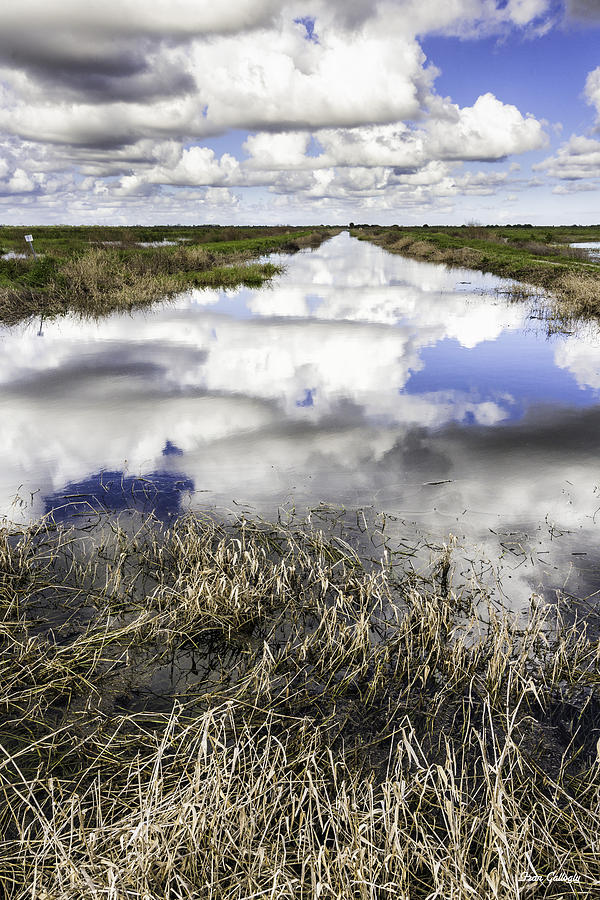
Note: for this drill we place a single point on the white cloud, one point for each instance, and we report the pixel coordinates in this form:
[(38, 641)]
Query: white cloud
[(522, 12), (220, 196), (49, 19), (278, 151), (132, 17), (128, 93), (197, 165), (19, 183), (592, 89), (577, 161), (366, 67), (482, 183), (487, 130), (575, 187), (369, 145), (346, 79), (265, 78), (578, 158)]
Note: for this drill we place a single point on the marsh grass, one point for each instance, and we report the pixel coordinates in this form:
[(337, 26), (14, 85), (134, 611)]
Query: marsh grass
[(539, 258), (352, 727), (94, 279)]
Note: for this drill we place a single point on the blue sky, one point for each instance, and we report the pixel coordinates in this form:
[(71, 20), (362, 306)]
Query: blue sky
[(262, 111), (543, 75)]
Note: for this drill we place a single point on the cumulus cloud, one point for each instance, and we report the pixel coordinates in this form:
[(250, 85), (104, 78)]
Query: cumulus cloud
[(487, 130), (338, 97), (20, 182), (190, 18), (133, 17), (394, 145), (578, 158), (264, 78), (365, 159), (482, 183), (197, 165), (277, 151), (524, 11), (366, 66)]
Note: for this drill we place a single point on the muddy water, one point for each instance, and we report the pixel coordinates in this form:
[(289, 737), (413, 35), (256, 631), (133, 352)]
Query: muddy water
[(359, 378)]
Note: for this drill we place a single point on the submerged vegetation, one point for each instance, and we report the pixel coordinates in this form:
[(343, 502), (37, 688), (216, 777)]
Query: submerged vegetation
[(95, 271), (259, 710), (538, 256)]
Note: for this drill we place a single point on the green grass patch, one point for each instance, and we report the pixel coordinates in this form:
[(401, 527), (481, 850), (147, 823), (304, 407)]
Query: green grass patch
[(65, 240), (251, 275), (87, 272)]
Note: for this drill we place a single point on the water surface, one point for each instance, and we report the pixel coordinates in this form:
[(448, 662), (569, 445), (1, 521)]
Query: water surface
[(593, 248), (359, 378)]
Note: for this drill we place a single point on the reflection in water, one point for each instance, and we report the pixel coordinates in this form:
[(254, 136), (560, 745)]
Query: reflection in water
[(359, 378), (592, 247), (158, 493)]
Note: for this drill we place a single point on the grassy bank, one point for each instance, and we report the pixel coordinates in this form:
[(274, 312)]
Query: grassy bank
[(539, 256), (94, 271), (339, 729)]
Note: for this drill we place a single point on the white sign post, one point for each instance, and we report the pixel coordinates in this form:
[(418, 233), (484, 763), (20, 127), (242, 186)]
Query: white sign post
[(29, 239)]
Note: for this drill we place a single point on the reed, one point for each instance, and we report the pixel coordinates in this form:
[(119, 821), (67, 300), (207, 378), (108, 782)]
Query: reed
[(350, 727)]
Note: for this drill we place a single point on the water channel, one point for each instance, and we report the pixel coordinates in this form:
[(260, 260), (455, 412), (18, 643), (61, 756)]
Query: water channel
[(358, 379)]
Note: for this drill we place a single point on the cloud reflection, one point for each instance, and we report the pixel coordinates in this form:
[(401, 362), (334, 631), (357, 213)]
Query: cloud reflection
[(299, 392)]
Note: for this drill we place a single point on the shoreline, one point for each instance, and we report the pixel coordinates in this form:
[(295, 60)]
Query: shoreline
[(97, 278), (531, 255)]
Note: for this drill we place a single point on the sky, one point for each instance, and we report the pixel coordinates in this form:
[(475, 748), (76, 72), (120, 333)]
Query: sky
[(312, 111)]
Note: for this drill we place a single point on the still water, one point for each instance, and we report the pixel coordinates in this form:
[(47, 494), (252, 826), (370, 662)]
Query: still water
[(592, 247), (358, 378)]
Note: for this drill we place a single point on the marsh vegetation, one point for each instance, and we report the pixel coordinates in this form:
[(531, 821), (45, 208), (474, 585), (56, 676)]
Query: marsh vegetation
[(95, 271), (539, 256), (349, 725), (231, 707)]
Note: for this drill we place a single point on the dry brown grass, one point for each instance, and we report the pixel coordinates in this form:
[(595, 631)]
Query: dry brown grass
[(578, 294), (103, 280), (467, 258), (352, 729), (464, 256)]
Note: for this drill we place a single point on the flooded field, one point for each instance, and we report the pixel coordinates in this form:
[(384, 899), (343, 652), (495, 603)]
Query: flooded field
[(401, 402), (359, 379), (339, 661)]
